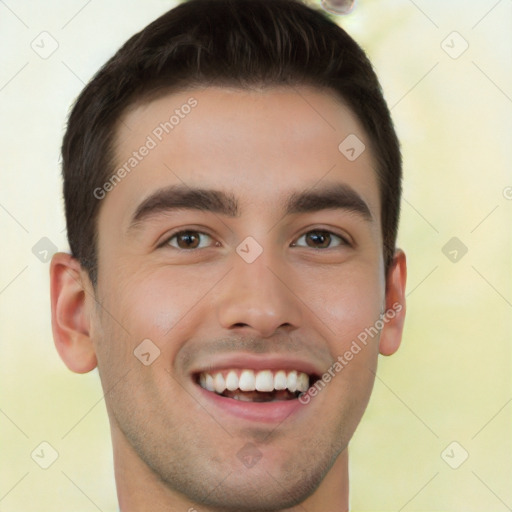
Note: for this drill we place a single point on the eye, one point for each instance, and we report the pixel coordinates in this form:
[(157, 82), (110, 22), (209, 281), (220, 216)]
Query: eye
[(188, 239), (320, 239)]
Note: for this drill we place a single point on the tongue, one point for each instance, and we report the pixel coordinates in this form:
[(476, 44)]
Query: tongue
[(260, 396)]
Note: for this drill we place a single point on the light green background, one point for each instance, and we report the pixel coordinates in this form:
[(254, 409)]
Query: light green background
[(450, 380)]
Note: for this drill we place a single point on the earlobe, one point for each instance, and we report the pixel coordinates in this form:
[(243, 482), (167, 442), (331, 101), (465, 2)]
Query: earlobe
[(70, 318), (391, 334)]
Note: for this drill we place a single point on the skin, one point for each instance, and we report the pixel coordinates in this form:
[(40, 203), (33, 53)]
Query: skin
[(172, 450)]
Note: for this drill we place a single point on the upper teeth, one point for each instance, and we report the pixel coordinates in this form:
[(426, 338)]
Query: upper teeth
[(249, 380)]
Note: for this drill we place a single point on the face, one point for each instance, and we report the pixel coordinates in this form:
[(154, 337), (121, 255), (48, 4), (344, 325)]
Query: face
[(246, 249)]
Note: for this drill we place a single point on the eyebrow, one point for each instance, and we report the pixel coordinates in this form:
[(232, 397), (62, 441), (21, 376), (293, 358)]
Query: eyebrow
[(182, 197), (329, 197)]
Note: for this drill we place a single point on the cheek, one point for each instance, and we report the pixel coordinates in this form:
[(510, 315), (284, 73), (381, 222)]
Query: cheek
[(140, 306), (159, 303), (348, 304), (347, 301)]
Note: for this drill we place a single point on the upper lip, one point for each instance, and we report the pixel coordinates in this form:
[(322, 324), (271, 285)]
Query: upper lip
[(258, 363)]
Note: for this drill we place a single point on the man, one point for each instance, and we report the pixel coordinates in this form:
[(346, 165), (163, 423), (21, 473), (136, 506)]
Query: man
[(232, 190)]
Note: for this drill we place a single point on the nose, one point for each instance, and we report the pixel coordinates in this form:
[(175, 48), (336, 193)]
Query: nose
[(258, 298)]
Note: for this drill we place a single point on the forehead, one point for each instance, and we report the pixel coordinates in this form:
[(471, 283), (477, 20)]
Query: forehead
[(261, 143)]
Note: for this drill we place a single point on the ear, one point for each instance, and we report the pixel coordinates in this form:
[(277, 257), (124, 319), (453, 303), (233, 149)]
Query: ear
[(391, 334), (70, 317)]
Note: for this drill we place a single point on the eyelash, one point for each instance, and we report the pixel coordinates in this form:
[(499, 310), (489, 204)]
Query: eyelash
[(343, 240)]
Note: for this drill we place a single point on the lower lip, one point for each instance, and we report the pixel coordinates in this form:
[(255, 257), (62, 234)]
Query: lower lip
[(258, 412)]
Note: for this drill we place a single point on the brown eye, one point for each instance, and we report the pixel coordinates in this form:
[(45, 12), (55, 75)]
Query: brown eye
[(188, 240), (320, 239)]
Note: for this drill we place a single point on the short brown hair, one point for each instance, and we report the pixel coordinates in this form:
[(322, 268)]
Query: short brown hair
[(221, 42)]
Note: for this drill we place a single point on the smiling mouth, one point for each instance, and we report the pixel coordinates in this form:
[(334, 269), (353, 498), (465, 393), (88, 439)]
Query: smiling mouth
[(256, 386)]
